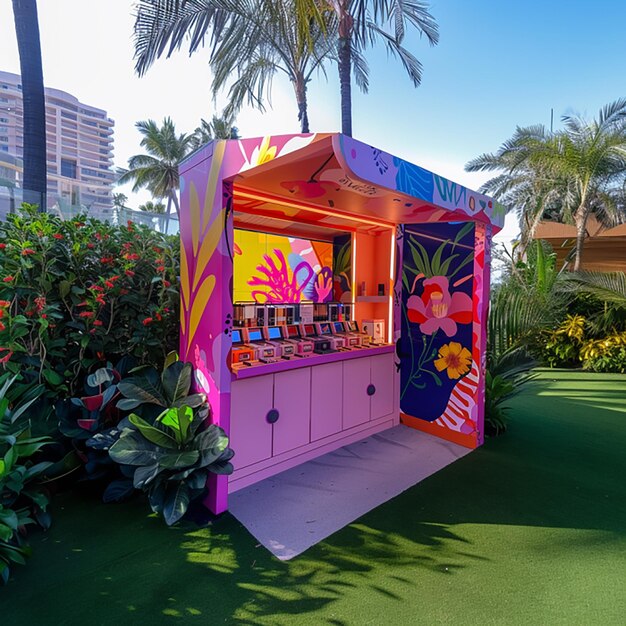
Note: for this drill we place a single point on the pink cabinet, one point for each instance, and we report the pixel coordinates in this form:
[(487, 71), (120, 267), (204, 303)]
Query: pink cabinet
[(382, 367), (250, 432), (356, 402), (367, 389), (326, 400), (292, 401)]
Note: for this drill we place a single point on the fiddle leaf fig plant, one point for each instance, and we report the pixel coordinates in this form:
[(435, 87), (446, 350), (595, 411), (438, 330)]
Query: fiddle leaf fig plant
[(172, 455), (152, 392)]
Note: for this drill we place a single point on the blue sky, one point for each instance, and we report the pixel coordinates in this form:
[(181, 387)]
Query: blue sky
[(498, 65)]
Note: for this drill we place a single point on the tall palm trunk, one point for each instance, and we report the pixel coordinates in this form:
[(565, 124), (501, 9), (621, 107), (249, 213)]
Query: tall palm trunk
[(27, 32), (344, 64), (303, 115), (345, 68), (581, 230)]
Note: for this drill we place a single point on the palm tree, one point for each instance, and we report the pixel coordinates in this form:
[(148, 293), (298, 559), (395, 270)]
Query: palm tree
[(120, 200), (361, 23), (220, 127), (261, 39), (152, 207), (157, 170), (27, 32), (577, 171), (251, 41)]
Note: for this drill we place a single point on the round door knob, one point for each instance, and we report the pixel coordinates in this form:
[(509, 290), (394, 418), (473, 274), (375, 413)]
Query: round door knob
[(272, 416), (371, 390)]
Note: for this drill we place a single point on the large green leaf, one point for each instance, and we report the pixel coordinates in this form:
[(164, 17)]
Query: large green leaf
[(177, 498), (178, 419), (152, 433), (141, 389), (176, 380), (211, 443), (144, 475), (6, 532), (178, 460), (132, 448), (8, 517)]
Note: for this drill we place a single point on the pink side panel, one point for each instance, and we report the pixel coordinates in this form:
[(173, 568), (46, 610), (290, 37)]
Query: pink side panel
[(356, 402), (382, 378), (482, 275), (292, 400), (326, 400), (250, 433)]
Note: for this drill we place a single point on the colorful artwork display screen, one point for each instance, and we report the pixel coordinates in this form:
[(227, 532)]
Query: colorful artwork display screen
[(436, 342), (272, 268)]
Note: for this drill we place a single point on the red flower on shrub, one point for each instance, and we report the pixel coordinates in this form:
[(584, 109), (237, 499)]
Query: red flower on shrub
[(40, 303), (7, 356), (44, 316), (129, 273), (79, 224), (3, 246), (123, 292), (109, 284), (132, 257), (96, 288), (4, 303), (160, 268), (130, 226), (147, 321), (167, 283), (157, 249), (8, 279), (58, 236), (106, 259), (90, 246), (27, 251), (2, 327), (99, 236), (88, 314), (98, 323)]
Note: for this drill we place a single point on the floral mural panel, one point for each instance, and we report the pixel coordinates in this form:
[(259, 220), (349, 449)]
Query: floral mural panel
[(274, 269), (436, 341)]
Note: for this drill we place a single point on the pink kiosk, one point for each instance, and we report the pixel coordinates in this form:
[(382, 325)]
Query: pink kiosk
[(392, 331)]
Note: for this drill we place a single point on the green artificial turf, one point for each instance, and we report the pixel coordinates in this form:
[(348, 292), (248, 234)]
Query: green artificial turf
[(530, 529)]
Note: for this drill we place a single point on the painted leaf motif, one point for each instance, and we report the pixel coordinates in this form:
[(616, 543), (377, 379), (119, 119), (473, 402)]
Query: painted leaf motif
[(199, 305)]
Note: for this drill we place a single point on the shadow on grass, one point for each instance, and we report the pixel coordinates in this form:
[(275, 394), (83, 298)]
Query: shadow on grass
[(561, 465)]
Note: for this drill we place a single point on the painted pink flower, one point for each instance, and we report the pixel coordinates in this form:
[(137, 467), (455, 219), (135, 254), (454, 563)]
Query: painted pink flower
[(436, 308)]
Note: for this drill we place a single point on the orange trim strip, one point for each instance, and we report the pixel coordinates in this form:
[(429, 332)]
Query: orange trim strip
[(467, 441)]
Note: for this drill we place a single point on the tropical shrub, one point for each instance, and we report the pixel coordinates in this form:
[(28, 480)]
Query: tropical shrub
[(171, 449), (561, 347), (605, 355), (77, 294), (173, 457), (22, 500)]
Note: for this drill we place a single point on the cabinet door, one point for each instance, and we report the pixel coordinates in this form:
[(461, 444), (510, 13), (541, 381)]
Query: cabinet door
[(292, 400), (356, 402), (326, 400), (250, 433), (382, 380)]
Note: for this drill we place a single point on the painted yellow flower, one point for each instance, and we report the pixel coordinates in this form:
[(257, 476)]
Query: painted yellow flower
[(455, 359), (266, 152)]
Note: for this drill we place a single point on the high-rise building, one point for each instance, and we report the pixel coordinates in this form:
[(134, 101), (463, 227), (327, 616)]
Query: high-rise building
[(79, 145)]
